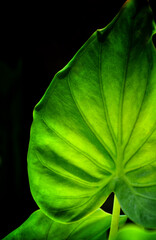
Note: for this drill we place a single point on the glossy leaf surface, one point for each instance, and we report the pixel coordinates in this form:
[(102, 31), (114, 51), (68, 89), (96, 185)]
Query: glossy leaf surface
[(39, 227), (93, 131), (136, 233)]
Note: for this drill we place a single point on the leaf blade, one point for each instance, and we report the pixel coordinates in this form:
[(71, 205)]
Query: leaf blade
[(39, 226), (136, 233), (95, 126)]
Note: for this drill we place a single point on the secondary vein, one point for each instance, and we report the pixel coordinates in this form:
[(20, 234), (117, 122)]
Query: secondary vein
[(140, 108), (140, 185), (142, 143), (109, 152), (140, 166), (62, 174), (104, 100), (77, 149), (120, 118)]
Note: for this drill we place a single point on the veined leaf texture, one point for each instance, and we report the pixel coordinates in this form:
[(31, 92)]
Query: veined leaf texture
[(38, 226), (93, 131)]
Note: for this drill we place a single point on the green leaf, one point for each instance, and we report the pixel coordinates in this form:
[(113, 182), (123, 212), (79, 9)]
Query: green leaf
[(39, 227), (93, 131), (130, 232)]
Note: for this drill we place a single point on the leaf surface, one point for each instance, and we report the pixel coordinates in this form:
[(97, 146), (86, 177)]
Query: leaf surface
[(39, 227), (136, 233), (93, 131)]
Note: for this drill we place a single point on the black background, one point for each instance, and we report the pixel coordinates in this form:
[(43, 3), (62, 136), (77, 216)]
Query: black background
[(36, 41)]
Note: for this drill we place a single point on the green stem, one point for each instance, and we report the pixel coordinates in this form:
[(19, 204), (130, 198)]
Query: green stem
[(115, 219)]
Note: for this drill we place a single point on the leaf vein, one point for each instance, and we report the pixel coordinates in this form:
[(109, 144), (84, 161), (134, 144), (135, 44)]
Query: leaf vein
[(77, 149), (140, 108), (109, 152), (104, 100), (64, 175), (140, 185), (141, 144), (140, 166), (47, 237), (90, 197), (140, 195)]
